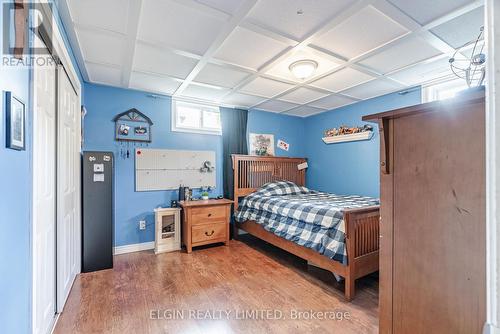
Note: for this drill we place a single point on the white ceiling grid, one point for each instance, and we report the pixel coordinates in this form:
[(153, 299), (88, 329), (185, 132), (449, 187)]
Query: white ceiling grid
[(237, 52)]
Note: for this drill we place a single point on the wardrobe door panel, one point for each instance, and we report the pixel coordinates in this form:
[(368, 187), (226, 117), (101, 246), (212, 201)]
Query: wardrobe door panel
[(439, 213)]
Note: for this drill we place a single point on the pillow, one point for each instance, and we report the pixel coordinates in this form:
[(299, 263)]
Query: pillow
[(281, 188)]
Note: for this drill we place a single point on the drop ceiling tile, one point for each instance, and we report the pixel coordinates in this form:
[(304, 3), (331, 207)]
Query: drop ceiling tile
[(153, 83), (282, 15), (461, 30), (362, 32), (276, 106), (155, 60), (249, 49), (325, 62), (109, 14), (372, 89), (229, 7), (406, 52), (332, 102), (204, 92), (265, 87), (302, 95), (467, 52), (178, 26), (423, 72), (220, 76), (242, 100), (304, 111), (103, 74), (342, 79), (425, 11), (100, 47)]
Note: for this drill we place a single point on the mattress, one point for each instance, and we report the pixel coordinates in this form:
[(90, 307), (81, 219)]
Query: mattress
[(312, 219)]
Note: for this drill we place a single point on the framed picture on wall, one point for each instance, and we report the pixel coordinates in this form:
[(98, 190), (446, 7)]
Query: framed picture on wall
[(261, 144), (15, 122)]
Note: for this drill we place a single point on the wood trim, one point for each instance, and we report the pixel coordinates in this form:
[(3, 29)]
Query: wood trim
[(383, 125)]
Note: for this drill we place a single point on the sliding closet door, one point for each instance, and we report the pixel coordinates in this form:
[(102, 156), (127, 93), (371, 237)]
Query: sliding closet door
[(44, 196), (68, 186)]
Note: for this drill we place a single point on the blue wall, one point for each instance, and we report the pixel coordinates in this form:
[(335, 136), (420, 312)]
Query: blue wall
[(353, 167), (103, 103), (16, 203), (15, 208), (287, 128)]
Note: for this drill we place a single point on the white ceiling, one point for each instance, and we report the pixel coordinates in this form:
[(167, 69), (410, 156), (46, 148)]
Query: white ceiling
[(237, 52)]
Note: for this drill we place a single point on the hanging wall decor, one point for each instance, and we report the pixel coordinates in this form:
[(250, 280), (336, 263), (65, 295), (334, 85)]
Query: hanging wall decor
[(347, 134), (15, 122), (133, 126), (261, 144)]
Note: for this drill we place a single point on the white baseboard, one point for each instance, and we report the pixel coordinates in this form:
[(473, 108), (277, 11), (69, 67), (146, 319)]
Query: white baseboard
[(133, 248)]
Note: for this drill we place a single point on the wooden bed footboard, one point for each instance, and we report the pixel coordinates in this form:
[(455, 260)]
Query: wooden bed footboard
[(361, 225), (362, 241)]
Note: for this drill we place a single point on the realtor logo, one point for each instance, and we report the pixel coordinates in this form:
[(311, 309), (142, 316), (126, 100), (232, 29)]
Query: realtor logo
[(19, 19)]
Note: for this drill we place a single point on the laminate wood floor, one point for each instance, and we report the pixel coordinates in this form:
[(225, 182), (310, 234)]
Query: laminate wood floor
[(246, 287)]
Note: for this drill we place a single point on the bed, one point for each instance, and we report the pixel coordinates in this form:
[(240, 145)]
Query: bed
[(336, 233)]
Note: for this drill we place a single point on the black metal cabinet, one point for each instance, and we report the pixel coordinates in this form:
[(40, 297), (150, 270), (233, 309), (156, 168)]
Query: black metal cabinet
[(97, 223)]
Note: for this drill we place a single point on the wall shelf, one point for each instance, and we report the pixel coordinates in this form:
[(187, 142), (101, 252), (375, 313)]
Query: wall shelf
[(367, 135)]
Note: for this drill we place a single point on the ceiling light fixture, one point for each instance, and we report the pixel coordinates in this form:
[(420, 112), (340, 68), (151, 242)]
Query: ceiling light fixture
[(303, 69)]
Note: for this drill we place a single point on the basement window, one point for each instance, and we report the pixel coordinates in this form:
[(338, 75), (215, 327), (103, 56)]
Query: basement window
[(195, 118), (442, 91)]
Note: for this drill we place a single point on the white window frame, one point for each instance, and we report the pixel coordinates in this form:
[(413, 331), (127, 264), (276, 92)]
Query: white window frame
[(430, 92), (202, 107)]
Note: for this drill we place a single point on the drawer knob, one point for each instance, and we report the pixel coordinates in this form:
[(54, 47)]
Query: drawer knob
[(209, 234), (210, 215)]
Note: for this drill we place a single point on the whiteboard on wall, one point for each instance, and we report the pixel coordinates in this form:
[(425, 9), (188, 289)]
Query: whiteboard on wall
[(167, 169)]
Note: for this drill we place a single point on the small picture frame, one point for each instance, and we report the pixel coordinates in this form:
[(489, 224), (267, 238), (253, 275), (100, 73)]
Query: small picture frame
[(15, 112), (261, 144)]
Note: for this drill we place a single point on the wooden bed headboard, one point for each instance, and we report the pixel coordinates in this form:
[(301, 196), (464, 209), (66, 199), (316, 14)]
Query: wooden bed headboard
[(251, 172)]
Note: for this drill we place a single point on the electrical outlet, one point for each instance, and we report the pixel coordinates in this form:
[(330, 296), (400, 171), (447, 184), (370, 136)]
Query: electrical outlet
[(142, 225)]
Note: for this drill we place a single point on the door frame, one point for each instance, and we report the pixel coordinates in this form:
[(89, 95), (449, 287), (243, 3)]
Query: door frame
[(58, 48), (492, 37)]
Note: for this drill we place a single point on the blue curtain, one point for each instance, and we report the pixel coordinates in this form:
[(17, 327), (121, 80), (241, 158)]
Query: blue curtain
[(234, 141)]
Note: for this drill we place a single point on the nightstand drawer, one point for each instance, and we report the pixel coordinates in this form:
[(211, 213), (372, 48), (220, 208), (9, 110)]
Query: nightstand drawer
[(205, 222), (208, 214), (206, 232)]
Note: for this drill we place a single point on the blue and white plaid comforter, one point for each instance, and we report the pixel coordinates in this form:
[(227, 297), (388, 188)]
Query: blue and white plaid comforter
[(309, 218)]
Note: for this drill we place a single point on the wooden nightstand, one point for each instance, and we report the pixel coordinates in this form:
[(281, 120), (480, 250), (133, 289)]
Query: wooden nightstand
[(205, 222)]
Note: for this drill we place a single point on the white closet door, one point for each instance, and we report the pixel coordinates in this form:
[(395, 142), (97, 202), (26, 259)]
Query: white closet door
[(68, 179), (44, 196)]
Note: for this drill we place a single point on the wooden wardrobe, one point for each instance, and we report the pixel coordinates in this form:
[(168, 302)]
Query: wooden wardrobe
[(433, 230)]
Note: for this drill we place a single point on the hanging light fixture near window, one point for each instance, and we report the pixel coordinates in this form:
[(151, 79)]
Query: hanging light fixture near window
[(303, 69)]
